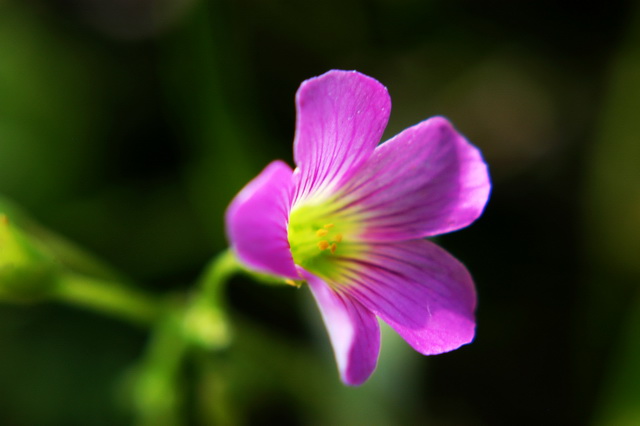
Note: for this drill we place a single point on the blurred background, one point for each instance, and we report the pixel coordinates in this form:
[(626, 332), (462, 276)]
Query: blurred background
[(128, 125)]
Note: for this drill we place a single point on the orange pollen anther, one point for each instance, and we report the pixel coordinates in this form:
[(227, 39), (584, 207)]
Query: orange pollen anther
[(329, 225), (321, 232), (292, 283), (323, 245), (337, 238), (334, 246)]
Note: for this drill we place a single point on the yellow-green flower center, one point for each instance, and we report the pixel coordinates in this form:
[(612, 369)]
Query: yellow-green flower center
[(317, 235)]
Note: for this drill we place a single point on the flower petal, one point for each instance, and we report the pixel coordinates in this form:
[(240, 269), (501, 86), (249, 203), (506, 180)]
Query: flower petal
[(257, 221), (427, 180), (353, 330), (419, 289), (340, 119)]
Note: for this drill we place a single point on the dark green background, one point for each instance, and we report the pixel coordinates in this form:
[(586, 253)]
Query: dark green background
[(129, 125)]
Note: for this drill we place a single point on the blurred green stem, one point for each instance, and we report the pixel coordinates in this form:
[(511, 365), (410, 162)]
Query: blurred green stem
[(201, 323), (159, 389), (109, 297), (180, 325), (217, 272), (205, 321), (64, 251)]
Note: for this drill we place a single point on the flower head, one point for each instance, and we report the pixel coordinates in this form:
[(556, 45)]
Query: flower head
[(351, 219)]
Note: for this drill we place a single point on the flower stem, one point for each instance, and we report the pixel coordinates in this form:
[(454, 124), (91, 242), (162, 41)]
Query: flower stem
[(109, 297), (205, 322), (185, 328), (216, 273), (159, 389)]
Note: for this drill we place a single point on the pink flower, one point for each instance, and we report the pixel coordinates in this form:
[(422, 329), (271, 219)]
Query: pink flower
[(351, 219)]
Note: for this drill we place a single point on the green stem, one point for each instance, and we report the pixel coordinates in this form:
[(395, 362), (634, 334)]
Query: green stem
[(205, 322), (201, 323), (65, 252), (159, 388), (109, 297), (216, 273)]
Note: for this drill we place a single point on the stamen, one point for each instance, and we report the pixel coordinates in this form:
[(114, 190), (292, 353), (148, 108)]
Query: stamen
[(321, 232), (292, 283), (329, 225), (334, 246), (337, 238), (323, 245)]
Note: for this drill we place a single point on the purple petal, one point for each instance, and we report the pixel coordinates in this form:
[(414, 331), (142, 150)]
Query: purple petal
[(419, 289), (428, 180), (340, 119), (257, 222), (353, 330)]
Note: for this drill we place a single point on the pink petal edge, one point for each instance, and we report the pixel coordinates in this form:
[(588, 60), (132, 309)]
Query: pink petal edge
[(427, 180), (353, 330), (257, 222), (425, 294), (341, 116)]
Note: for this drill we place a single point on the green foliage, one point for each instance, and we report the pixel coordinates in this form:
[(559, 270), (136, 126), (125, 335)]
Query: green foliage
[(27, 272)]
